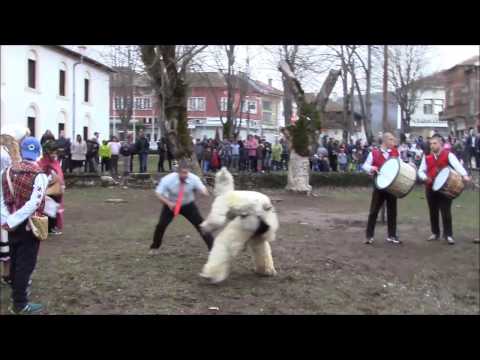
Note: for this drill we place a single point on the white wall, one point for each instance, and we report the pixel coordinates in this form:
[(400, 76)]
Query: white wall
[(419, 119), (48, 104)]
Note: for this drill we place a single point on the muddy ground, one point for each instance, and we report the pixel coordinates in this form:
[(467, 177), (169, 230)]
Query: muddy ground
[(100, 265)]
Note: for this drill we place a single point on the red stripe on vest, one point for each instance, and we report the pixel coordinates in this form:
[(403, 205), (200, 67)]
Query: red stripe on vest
[(434, 166), (379, 160)]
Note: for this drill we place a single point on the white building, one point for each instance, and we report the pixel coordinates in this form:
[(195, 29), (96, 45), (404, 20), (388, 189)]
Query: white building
[(425, 118), (39, 84)]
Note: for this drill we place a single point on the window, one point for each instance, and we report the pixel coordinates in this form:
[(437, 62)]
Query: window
[(267, 116), (138, 103), (451, 98), (437, 106), (118, 103), (85, 133), (223, 104), (32, 80), (249, 106), (428, 106), (267, 105), (196, 104), (86, 96), (61, 83), (31, 125), (147, 103)]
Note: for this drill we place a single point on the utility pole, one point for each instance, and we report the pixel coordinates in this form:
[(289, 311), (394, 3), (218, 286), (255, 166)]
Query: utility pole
[(385, 124)]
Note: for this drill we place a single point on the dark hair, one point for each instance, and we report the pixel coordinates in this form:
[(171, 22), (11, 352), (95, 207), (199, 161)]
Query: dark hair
[(439, 137), (183, 165)]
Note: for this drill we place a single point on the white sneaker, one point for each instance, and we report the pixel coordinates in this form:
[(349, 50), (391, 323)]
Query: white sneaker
[(432, 237), (393, 240), (450, 240), (369, 240), (154, 252)]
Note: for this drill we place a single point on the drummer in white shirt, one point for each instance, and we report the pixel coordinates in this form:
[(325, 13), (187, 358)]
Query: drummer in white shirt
[(430, 166)]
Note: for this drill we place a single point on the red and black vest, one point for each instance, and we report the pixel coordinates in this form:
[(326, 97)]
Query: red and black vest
[(378, 159), (22, 176), (434, 166)]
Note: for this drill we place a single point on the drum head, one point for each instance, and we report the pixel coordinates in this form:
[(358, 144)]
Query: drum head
[(388, 173), (441, 178)]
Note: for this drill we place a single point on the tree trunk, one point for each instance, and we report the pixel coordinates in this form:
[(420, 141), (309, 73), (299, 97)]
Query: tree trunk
[(385, 124), (368, 101), (299, 173), (287, 102)]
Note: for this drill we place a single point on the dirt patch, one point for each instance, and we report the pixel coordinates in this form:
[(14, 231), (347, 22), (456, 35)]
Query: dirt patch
[(100, 265)]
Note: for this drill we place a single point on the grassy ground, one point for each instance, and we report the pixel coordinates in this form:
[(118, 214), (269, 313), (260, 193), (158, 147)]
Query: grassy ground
[(100, 265)]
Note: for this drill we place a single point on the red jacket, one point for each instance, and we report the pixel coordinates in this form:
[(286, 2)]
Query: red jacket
[(378, 159), (434, 166)]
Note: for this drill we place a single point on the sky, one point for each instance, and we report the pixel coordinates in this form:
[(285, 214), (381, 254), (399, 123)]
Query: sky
[(261, 67)]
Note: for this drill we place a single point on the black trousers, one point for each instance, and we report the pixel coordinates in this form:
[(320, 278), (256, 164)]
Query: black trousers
[(439, 203), (24, 250), (161, 161), (378, 198), (114, 165), (191, 213)]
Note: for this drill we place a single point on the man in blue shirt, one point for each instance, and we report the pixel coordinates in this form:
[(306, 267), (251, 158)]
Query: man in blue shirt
[(177, 192)]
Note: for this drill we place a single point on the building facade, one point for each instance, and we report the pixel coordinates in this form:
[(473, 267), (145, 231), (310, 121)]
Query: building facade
[(260, 113), (462, 110), (40, 90)]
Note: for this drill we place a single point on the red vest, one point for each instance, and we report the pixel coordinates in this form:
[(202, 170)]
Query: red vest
[(435, 165), (378, 158), (22, 176)]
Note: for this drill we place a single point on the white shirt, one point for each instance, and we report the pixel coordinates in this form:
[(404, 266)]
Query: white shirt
[(452, 160), (114, 147), (169, 187), (473, 141), (22, 214), (367, 166)]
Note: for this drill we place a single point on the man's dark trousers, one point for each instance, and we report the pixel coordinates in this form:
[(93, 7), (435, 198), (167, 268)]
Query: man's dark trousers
[(24, 250), (191, 213), (378, 198), (439, 203)]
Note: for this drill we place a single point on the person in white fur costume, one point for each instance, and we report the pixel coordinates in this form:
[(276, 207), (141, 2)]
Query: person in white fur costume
[(252, 222)]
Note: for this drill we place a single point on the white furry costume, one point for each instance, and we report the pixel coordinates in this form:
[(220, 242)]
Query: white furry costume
[(254, 225)]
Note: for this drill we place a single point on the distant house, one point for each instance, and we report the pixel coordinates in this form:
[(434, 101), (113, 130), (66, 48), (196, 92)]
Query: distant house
[(333, 125), (429, 104), (462, 110)]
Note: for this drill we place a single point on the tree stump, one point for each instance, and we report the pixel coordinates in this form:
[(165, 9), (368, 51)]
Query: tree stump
[(299, 174)]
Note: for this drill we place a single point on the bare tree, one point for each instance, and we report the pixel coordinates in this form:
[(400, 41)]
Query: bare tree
[(167, 66), (126, 61), (406, 64), (303, 135)]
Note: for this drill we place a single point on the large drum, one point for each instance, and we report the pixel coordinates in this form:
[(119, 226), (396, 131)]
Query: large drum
[(449, 183), (396, 177)]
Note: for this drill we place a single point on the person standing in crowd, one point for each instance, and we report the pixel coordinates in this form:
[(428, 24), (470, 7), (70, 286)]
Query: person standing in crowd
[(114, 146), (374, 162), (431, 165), (207, 157), (26, 198), (244, 161), (251, 145), (403, 149), (78, 150), (50, 165), (472, 146), (105, 156), (417, 154), (276, 155), (169, 155), (176, 191), (225, 153), (47, 136), (199, 151), (126, 151), (97, 155), (143, 146), (215, 162), (260, 156), (162, 152), (267, 161), (64, 154), (235, 151), (92, 155), (285, 154), (342, 159), (458, 149)]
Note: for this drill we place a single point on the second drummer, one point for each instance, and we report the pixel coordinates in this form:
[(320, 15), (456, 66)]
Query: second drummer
[(372, 165), (430, 166)]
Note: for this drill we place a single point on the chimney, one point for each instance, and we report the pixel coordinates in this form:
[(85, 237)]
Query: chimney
[(82, 49), (270, 82)]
